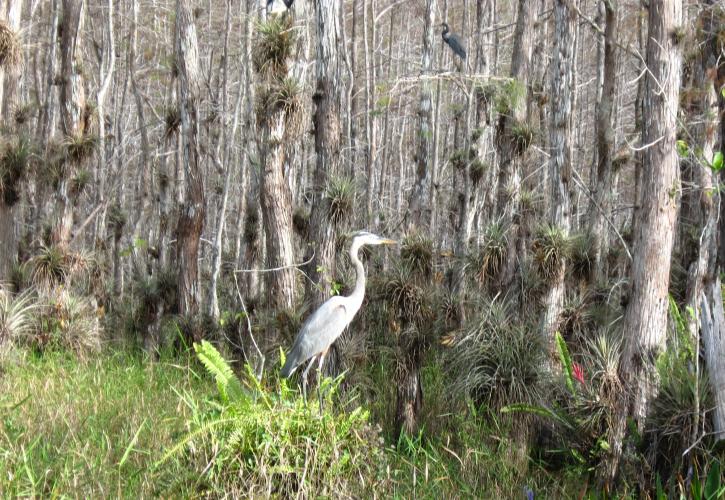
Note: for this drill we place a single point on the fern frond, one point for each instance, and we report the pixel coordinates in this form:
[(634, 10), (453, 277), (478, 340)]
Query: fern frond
[(227, 382)]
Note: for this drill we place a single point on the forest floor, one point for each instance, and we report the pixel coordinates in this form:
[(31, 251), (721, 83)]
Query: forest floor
[(103, 427)]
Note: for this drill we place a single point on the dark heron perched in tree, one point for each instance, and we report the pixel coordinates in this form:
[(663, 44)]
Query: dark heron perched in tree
[(326, 324), (271, 4), (453, 42)]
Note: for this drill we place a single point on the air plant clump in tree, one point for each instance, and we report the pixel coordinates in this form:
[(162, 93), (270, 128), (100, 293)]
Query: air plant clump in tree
[(274, 45), (417, 254), (11, 55), (522, 135), (498, 362), (581, 256), (80, 147), (301, 221), (491, 257), (15, 161), (172, 122), (551, 249), (281, 95), (339, 199)]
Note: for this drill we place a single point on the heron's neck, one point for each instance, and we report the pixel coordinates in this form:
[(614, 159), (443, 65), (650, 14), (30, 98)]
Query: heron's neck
[(359, 291)]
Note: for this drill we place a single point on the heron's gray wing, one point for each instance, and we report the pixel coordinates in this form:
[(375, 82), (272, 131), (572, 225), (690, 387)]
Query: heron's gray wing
[(318, 332)]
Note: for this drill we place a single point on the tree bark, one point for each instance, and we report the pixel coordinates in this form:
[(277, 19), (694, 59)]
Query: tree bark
[(645, 318), (72, 104), (560, 163), (601, 202), (418, 213), (192, 209), (509, 168), (328, 135)]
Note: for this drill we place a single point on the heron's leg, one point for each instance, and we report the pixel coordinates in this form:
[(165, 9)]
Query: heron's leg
[(319, 377), (304, 378)]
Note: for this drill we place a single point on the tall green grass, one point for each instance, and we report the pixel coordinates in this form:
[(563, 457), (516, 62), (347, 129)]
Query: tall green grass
[(90, 429)]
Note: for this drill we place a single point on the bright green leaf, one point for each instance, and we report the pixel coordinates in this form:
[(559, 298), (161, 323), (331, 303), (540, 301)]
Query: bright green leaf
[(717, 161)]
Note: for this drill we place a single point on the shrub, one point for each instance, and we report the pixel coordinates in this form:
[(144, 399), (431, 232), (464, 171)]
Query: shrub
[(255, 442)]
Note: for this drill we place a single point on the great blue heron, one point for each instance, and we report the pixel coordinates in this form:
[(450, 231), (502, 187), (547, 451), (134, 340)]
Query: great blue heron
[(453, 42), (326, 324)]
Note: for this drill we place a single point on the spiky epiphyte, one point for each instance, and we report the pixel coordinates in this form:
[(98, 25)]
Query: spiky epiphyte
[(462, 157), (496, 361), (275, 42), (117, 218), (491, 257), (22, 113), (509, 96), (80, 147), (79, 182), (522, 136), (577, 318), (477, 170), (281, 95), (172, 122), (406, 297), (339, 198), (11, 55), (551, 249), (582, 256), (417, 254), (14, 162), (17, 316)]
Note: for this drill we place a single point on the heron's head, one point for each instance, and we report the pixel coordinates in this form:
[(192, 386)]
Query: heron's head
[(361, 238), (444, 26)]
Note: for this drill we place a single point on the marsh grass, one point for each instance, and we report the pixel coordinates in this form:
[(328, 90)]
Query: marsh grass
[(90, 429)]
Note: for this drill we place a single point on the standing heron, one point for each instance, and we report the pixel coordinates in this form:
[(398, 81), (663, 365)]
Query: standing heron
[(453, 41), (326, 324)]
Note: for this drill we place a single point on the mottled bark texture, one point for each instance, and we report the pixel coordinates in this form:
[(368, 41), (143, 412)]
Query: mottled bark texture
[(72, 111), (508, 144), (560, 162), (328, 138), (645, 319), (418, 213), (600, 208), (193, 208)]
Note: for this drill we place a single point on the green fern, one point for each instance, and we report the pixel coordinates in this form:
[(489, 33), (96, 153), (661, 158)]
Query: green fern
[(566, 362), (227, 383)]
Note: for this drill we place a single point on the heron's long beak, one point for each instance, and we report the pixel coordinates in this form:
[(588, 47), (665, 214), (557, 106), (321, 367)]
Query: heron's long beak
[(386, 241)]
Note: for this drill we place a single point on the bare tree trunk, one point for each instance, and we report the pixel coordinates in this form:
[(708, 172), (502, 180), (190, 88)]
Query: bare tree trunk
[(72, 103), (601, 203), (419, 215), (645, 319), (193, 209), (276, 199), (409, 386), (9, 195), (562, 75), (328, 135)]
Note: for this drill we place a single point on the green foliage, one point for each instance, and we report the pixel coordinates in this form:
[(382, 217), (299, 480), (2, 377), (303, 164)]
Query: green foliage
[(17, 313), (340, 199), (509, 96), (261, 441), (274, 45), (417, 252), (565, 360), (92, 429), (490, 259), (15, 160), (79, 148), (551, 249), (498, 362), (227, 383)]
